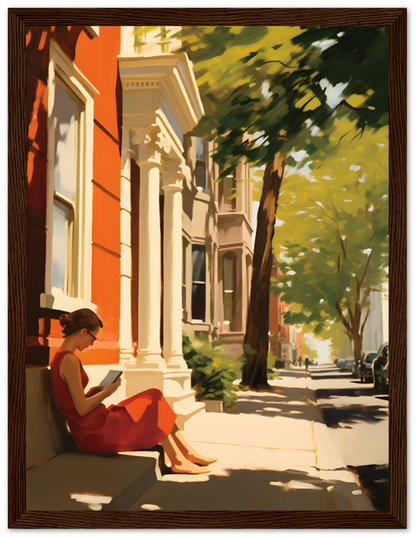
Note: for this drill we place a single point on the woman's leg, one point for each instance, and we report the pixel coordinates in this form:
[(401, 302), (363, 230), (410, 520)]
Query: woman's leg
[(186, 449), (179, 463)]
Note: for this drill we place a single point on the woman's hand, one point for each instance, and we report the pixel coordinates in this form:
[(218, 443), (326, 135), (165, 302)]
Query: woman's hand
[(94, 390), (113, 387)]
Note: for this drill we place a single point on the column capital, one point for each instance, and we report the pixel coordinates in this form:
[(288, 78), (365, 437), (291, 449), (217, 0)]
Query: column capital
[(174, 174), (153, 143), (176, 187)]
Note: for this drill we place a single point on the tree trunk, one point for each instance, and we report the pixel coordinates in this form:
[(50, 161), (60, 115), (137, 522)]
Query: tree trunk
[(257, 329), (358, 346), (357, 335), (354, 328)]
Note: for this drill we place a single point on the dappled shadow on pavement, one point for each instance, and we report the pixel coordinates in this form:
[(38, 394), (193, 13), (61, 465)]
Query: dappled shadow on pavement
[(291, 402), (374, 480), (245, 489), (337, 416), (356, 389), (331, 372), (340, 417)]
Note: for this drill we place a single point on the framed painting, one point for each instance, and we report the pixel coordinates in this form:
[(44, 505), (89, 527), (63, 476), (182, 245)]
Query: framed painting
[(145, 155)]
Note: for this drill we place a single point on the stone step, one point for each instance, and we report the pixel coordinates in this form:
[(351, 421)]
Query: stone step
[(185, 406), (84, 481)]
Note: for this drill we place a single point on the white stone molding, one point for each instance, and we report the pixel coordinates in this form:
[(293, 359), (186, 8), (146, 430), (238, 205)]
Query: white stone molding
[(149, 352), (164, 142), (126, 344), (160, 104), (61, 66), (172, 274)]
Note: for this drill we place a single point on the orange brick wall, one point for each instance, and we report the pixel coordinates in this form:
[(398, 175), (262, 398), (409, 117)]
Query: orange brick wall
[(97, 60)]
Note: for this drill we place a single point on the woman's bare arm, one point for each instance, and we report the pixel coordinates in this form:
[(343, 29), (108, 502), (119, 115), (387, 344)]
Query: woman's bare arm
[(71, 374)]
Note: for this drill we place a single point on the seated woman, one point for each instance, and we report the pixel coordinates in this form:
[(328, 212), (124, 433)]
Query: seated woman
[(139, 422)]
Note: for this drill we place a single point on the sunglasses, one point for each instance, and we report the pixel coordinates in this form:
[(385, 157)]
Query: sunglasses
[(94, 338)]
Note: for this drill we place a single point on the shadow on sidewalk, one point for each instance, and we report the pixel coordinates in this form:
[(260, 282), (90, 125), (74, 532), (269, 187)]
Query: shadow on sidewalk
[(245, 489), (352, 414), (357, 389), (290, 402), (374, 479), (349, 414)]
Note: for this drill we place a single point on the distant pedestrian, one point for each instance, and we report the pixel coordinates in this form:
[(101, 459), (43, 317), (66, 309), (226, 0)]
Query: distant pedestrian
[(300, 361), (306, 363)]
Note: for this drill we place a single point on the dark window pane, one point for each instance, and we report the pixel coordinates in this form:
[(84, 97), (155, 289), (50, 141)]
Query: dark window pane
[(200, 176), (198, 301)]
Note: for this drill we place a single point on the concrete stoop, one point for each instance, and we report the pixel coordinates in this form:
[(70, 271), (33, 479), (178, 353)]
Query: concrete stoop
[(185, 406), (79, 481)]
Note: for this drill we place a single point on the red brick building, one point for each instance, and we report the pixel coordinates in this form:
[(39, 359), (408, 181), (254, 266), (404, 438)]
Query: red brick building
[(73, 165), (279, 331)]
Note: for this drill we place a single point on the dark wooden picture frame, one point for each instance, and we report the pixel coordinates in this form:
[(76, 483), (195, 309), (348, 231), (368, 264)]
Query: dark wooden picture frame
[(18, 517)]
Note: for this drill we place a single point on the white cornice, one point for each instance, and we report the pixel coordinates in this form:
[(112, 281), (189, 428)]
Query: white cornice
[(172, 77)]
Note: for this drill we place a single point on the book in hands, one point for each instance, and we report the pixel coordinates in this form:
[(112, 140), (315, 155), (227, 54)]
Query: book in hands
[(110, 378)]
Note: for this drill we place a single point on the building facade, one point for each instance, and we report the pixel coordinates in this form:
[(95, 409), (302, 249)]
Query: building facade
[(376, 329), (73, 186), (285, 341), (124, 214)]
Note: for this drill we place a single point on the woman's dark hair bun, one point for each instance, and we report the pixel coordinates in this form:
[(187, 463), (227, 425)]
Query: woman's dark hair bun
[(84, 318)]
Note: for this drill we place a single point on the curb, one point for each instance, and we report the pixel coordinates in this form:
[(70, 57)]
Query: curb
[(330, 463)]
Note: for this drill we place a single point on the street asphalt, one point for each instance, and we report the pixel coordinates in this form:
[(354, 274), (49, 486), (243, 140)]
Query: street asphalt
[(357, 415)]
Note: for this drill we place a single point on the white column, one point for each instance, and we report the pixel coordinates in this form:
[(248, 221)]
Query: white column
[(126, 347), (149, 352), (172, 277)]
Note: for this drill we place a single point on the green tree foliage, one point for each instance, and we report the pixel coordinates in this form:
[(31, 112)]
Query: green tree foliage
[(270, 82), (334, 236), (266, 92)]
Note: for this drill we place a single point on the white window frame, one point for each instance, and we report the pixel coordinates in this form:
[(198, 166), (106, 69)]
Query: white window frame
[(230, 256), (92, 31), (55, 298)]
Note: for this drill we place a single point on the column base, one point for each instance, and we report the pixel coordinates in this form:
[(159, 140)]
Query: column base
[(140, 379), (127, 359), (149, 359), (175, 361)]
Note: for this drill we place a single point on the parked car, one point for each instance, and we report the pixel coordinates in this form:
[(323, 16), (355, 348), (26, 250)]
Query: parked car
[(346, 363), (341, 362), (384, 377), (349, 364), (365, 366), (380, 367)]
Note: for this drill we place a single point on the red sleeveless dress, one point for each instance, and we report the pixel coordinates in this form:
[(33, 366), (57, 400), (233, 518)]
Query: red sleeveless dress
[(139, 422)]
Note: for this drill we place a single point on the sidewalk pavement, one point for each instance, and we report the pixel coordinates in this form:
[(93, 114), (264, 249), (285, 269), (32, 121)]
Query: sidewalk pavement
[(274, 452)]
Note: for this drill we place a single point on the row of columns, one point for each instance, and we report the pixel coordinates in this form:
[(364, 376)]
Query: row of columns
[(149, 354)]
